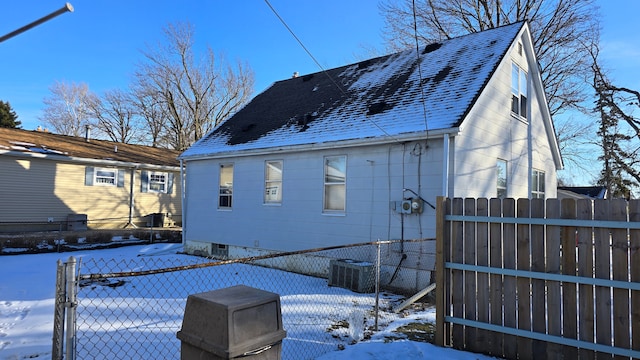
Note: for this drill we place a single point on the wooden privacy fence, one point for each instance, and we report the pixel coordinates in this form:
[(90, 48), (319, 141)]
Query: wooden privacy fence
[(536, 279)]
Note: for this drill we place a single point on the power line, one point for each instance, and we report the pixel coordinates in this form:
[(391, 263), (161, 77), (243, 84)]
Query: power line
[(320, 66)]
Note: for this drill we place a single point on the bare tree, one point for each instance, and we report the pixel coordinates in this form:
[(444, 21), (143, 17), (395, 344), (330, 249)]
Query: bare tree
[(66, 111), (115, 115), (194, 95), (558, 28), (619, 132), (152, 114)]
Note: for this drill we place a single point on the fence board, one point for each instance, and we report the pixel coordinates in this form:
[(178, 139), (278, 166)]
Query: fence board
[(495, 280), (482, 259), (634, 257), (602, 270), (554, 300), (470, 276), (569, 293), (509, 262), (523, 286), (457, 279), (538, 298), (619, 253), (538, 308), (585, 268)]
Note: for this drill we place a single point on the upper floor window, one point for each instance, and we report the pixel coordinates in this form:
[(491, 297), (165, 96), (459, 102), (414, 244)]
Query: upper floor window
[(518, 91), (335, 181), (537, 184), (501, 183), (225, 196), (273, 182)]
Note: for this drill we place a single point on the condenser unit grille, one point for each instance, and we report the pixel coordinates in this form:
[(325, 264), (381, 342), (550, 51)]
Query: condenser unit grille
[(351, 274)]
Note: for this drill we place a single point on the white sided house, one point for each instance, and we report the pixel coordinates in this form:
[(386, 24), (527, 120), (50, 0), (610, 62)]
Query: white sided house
[(359, 153)]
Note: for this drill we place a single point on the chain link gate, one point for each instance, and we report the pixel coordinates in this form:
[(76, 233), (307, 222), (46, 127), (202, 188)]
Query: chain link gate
[(65, 311), (135, 305)]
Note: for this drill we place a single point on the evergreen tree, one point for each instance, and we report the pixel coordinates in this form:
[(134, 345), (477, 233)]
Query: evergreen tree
[(8, 117)]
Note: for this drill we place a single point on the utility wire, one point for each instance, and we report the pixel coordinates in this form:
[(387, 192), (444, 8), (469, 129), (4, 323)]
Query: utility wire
[(320, 66), (422, 100)]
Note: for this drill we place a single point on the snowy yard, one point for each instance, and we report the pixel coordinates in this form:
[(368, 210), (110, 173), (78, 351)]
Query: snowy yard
[(27, 302)]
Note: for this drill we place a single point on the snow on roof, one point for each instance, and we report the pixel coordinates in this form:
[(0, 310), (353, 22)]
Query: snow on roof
[(374, 99)]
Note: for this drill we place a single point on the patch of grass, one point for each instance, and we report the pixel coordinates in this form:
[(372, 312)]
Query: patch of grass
[(341, 324), (423, 332)]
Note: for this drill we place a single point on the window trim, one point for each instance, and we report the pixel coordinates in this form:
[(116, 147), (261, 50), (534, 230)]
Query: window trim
[(521, 94), (506, 179), (268, 181), (535, 179), (150, 181), (229, 195), (104, 169), (333, 184)]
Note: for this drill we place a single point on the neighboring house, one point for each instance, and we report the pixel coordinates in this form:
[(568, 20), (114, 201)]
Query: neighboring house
[(582, 192), (54, 182), (360, 152)]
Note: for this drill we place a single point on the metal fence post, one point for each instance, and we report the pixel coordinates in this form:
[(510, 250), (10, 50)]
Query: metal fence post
[(59, 312), (71, 308), (377, 284)]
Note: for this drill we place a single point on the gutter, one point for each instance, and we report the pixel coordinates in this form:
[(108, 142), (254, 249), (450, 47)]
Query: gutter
[(71, 159), (431, 134)]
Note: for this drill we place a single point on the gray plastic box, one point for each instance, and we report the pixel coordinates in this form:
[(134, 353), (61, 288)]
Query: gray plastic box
[(238, 321)]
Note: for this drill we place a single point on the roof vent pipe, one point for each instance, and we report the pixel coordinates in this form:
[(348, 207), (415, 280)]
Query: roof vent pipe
[(87, 134)]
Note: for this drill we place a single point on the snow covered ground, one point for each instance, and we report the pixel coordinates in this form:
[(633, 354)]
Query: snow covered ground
[(27, 301)]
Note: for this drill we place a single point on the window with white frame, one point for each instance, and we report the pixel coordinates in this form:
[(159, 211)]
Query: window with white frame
[(518, 91), (158, 182), (105, 176), (537, 184), (501, 183), (335, 181), (225, 196), (273, 182)]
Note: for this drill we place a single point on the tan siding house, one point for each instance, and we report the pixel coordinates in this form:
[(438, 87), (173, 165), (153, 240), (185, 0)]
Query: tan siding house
[(52, 182)]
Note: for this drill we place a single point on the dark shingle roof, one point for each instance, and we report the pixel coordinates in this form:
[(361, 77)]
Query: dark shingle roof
[(375, 98), (77, 147)]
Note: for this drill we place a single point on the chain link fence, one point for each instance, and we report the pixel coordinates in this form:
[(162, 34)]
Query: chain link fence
[(132, 308)]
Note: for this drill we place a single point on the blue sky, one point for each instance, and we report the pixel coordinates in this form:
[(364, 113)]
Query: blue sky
[(100, 42)]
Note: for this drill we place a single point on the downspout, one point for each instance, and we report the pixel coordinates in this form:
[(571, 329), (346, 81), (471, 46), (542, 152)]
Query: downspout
[(445, 166), (183, 200), (131, 199)]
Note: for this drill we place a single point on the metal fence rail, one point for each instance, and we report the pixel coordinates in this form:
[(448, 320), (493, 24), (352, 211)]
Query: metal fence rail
[(136, 306)]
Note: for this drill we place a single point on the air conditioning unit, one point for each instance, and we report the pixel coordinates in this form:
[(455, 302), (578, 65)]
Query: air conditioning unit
[(219, 251), (350, 274)]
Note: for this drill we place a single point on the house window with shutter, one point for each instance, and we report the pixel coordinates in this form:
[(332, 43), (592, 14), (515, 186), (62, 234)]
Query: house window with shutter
[(225, 197), (95, 176), (156, 182), (335, 183), (105, 177), (518, 91), (273, 182)]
